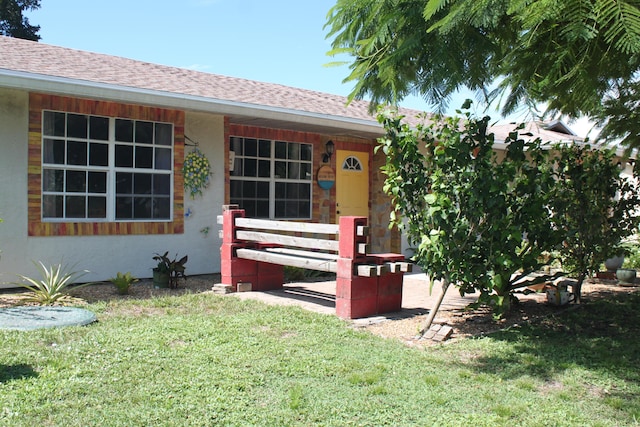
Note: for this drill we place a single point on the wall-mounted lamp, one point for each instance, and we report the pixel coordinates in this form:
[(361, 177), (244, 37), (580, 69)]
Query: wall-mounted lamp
[(329, 150)]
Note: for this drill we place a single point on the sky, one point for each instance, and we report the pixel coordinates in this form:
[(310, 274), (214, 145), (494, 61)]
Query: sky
[(275, 41)]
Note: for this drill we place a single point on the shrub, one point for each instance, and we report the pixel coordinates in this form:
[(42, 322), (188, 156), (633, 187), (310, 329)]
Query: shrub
[(53, 283)]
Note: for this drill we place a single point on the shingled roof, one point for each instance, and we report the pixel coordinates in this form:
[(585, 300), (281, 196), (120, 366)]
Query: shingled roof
[(38, 62)]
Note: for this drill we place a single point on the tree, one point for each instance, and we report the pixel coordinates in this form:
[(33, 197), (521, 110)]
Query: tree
[(12, 21), (570, 55), (593, 206), (476, 221)]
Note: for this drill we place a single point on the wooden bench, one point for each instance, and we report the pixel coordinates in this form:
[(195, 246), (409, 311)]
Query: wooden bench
[(255, 251)]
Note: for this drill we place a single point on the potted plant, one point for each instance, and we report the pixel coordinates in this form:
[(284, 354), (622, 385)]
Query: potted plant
[(626, 276), (123, 282), (168, 271)]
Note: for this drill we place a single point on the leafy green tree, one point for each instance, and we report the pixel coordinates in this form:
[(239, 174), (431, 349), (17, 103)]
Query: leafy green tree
[(12, 21), (570, 54), (594, 208), (478, 222)]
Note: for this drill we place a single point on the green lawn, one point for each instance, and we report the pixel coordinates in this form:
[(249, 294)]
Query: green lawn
[(200, 360)]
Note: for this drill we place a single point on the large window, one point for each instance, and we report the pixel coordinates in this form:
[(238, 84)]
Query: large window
[(105, 169), (271, 179)]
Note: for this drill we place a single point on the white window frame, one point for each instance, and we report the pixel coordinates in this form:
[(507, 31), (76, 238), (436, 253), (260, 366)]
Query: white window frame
[(111, 170), (272, 180)]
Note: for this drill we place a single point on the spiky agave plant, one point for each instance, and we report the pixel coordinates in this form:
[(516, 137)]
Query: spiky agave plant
[(52, 285)]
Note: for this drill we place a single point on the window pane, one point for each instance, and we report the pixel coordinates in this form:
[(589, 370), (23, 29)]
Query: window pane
[(144, 157), (163, 158), (98, 154), (235, 189), (76, 182), (237, 167), (293, 151), (250, 147), (142, 207), (162, 208), (124, 207), (75, 207), (281, 170), (52, 206), (164, 134), (142, 183), (280, 190), (97, 207), (264, 168), (99, 128), (124, 156), (294, 170), (236, 146), (76, 153), (263, 190), (305, 171), (250, 207), (76, 126), (53, 124), (303, 210), (264, 148), (292, 191), (281, 150), (53, 180), (53, 151), (305, 151), (144, 132), (97, 182), (124, 130), (248, 189), (304, 191), (262, 209), (162, 184), (124, 183), (250, 167), (280, 209)]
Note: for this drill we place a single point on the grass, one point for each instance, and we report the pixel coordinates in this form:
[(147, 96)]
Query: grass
[(196, 360)]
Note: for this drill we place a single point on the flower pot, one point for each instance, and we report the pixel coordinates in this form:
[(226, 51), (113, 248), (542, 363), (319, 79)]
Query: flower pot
[(558, 296), (160, 279), (614, 263), (626, 276)]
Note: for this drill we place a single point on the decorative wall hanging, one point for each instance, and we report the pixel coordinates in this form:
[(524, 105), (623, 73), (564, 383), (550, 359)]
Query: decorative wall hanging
[(196, 171)]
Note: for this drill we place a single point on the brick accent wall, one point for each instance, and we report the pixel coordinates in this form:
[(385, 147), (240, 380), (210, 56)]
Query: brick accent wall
[(37, 227)]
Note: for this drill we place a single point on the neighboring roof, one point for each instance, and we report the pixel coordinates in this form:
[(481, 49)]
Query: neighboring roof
[(37, 66), (548, 132)]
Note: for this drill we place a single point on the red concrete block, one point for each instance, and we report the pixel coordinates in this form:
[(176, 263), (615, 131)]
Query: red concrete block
[(348, 245), (228, 224), (389, 303), (390, 284), (268, 282), (357, 288), (356, 308), (238, 267), (346, 268), (267, 269)]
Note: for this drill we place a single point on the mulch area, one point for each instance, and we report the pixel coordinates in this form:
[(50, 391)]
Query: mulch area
[(404, 328)]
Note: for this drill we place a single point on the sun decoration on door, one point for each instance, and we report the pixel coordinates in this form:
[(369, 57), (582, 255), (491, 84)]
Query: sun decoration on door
[(352, 163)]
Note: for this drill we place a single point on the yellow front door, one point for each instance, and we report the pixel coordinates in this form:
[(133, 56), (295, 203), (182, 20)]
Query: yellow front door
[(352, 183)]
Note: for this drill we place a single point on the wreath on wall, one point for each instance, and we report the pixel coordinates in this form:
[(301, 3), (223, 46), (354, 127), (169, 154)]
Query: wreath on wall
[(196, 171)]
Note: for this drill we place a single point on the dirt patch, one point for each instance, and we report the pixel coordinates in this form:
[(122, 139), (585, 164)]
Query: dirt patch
[(465, 323)]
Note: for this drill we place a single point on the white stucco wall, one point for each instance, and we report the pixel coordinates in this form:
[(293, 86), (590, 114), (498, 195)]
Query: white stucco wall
[(103, 256)]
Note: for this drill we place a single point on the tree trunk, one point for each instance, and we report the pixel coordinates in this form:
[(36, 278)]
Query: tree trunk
[(434, 310), (577, 288)]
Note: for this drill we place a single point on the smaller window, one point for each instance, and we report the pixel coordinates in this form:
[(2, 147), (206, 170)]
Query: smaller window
[(351, 163)]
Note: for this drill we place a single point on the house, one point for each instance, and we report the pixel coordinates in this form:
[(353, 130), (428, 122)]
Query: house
[(92, 149)]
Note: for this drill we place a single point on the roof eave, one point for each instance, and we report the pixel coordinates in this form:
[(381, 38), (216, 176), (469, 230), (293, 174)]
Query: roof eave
[(96, 90)]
